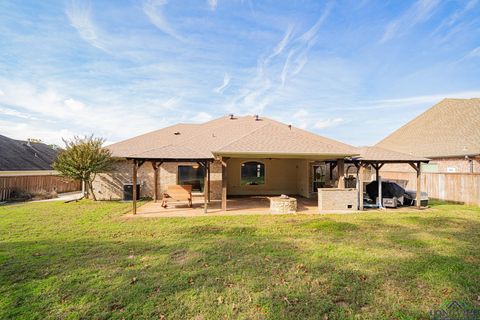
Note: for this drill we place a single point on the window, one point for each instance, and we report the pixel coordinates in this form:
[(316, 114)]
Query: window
[(193, 175), (253, 174)]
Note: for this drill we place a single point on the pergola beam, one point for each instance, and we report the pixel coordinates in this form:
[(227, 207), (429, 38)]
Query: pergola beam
[(206, 184), (417, 168), (341, 173), (156, 168), (134, 186), (224, 183), (360, 176), (377, 166)]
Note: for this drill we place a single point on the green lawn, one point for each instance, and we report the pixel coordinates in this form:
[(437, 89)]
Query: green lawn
[(84, 260)]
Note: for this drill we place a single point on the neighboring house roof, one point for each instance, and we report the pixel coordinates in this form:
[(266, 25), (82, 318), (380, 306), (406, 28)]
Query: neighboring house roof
[(19, 155), (226, 136), (451, 128), (377, 154)]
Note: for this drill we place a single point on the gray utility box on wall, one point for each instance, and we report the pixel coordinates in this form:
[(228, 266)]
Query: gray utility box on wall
[(337, 199), (128, 192)]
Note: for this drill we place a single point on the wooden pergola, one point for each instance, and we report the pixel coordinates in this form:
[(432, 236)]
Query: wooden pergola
[(377, 165), (376, 158), (156, 163)]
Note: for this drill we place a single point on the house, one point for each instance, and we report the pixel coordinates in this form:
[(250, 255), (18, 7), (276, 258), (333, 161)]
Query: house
[(234, 156), (448, 133), (25, 157), (26, 170)]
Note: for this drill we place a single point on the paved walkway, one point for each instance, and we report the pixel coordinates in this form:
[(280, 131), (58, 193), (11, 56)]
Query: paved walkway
[(64, 197)]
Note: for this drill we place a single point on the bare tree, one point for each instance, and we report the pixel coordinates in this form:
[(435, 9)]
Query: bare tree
[(82, 159)]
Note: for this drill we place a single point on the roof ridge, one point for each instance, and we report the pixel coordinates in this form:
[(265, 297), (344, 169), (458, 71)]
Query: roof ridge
[(448, 128), (411, 122), (308, 133)]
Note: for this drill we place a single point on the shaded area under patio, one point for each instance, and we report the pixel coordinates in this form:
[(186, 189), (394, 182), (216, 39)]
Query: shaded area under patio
[(237, 206)]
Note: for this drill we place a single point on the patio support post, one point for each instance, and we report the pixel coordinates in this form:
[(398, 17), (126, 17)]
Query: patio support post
[(417, 167), (208, 182), (332, 166), (134, 186), (379, 198), (224, 184), (155, 167), (341, 173), (419, 187), (360, 175), (206, 187), (378, 178)]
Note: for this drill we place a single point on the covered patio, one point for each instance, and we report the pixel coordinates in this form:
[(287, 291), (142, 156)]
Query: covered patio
[(217, 163), (376, 158), (246, 205), (255, 201)]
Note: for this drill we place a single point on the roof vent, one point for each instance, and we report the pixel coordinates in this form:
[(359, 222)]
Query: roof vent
[(177, 133), (257, 118)]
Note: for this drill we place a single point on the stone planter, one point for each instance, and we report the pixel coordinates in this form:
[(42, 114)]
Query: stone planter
[(279, 205)]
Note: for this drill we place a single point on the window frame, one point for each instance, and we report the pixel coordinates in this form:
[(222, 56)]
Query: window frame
[(264, 174), (202, 180)]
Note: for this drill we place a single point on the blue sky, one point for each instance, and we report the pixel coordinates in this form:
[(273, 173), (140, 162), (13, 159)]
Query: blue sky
[(351, 70)]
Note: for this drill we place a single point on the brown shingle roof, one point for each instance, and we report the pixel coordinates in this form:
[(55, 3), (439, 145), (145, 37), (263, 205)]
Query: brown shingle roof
[(17, 155), (224, 135), (277, 138), (381, 154), (449, 128)]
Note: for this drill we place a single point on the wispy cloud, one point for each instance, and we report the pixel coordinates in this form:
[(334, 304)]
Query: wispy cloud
[(226, 82), (311, 33), (212, 4), (15, 113), (281, 64), (300, 64), (171, 103), (79, 14), (50, 105), (201, 117), (153, 9), (474, 53), (283, 43), (328, 123), (301, 118), (419, 12), (458, 14), (414, 100)]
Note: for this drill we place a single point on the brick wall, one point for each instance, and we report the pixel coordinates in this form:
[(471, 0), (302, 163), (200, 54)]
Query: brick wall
[(109, 186), (337, 199)]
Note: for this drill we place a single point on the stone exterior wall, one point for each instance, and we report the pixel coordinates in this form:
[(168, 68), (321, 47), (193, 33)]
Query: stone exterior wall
[(337, 199), (109, 186), (288, 176)]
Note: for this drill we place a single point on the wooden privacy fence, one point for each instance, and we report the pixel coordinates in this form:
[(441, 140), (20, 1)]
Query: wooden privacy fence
[(458, 187), (35, 184)]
